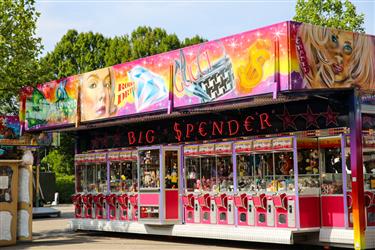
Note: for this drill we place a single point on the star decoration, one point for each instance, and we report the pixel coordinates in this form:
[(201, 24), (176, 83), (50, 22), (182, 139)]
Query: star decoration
[(331, 117), (95, 143), (288, 120), (117, 138), (311, 118), (367, 120)]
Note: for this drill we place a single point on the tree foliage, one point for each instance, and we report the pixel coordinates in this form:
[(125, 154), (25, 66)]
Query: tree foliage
[(58, 163), (19, 49), (118, 51), (147, 41), (340, 14), (78, 52), (75, 53), (194, 40)]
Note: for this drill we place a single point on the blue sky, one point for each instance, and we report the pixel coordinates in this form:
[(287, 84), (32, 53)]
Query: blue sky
[(210, 19)]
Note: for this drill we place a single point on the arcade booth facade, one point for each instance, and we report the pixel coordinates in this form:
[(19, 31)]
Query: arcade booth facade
[(262, 136)]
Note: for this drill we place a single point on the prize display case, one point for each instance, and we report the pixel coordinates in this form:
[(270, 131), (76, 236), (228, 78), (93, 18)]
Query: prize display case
[(209, 184), (91, 171), (245, 166), (123, 171), (149, 185), (159, 171), (333, 172), (192, 168), (124, 184), (268, 171)]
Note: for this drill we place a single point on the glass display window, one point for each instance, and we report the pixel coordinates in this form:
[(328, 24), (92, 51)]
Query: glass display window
[(149, 168), (81, 180), (369, 162), (245, 172), (264, 176), (224, 169), (171, 169), (123, 176), (245, 164), (331, 165), (192, 173), (91, 176), (101, 177), (308, 166), (192, 168), (283, 169), (208, 174)]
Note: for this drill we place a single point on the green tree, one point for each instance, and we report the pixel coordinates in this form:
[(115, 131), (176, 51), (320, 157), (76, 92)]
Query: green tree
[(58, 163), (147, 41), (19, 49), (340, 14), (118, 51), (75, 53), (194, 40)]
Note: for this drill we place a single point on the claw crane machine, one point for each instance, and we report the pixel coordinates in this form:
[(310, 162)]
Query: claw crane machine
[(159, 189)]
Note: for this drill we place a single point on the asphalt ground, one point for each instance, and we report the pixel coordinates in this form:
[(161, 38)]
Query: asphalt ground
[(53, 233)]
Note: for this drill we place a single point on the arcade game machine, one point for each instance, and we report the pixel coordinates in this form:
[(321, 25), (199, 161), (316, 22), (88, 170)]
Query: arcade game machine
[(224, 199), (207, 184), (91, 172), (264, 184), (245, 164), (159, 170), (192, 184)]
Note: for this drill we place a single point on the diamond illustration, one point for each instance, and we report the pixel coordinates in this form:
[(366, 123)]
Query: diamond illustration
[(149, 87)]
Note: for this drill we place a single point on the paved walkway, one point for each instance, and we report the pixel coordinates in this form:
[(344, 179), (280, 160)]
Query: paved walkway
[(53, 233)]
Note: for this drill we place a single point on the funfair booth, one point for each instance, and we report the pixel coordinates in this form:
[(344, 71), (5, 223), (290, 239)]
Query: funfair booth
[(262, 136)]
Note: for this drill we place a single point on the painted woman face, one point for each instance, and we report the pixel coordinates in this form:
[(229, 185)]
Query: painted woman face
[(339, 53), (95, 93)]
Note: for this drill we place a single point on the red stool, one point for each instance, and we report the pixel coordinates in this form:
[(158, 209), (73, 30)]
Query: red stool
[(134, 206), (188, 201), (111, 202), (241, 202), (260, 204), (77, 202), (222, 208), (370, 208), (205, 203), (87, 205), (99, 206), (123, 202), (280, 203)]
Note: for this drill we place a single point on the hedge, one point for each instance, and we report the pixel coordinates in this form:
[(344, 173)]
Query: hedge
[(65, 187)]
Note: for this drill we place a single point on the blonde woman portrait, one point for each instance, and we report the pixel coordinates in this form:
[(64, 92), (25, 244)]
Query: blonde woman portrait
[(332, 58), (97, 95)]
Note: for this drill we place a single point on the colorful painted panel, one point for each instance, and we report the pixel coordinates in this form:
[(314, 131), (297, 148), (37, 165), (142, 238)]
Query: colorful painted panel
[(9, 135), (329, 58), (96, 95), (126, 89), (142, 85), (50, 104), (246, 64), (9, 127)]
